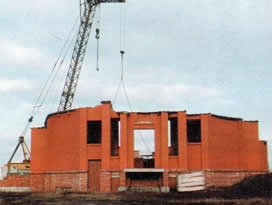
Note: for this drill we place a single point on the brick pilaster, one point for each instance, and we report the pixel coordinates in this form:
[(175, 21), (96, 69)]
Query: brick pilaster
[(105, 181), (182, 141)]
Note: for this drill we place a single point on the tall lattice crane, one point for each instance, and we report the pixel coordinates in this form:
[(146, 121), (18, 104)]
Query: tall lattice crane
[(87, 12)]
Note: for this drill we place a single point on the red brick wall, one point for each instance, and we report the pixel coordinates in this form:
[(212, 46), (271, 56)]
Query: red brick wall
[(37, 182), (123, 179), (115, 183), (50, 182), (218, 178), (234, 145), (253, 153), (115, 163), (94, 151), (60, 142), (145, 183), (227, 178), (105, 181), (223, 144), (194, 156), (16, 181), (172, 162)]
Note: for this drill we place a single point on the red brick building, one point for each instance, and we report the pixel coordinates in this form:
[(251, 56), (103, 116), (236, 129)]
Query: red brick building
[(93, 149)]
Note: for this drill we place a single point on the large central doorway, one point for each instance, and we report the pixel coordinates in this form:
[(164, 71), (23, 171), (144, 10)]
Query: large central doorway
[(144, 148)]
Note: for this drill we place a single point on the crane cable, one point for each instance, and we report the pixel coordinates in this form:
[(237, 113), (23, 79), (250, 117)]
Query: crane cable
[(97, 36), (64, 51), (121, 82), (51, 78), (122, 52)]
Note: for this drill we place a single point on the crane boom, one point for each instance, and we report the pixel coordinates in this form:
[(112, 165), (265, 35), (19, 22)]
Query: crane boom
[(87, 12)]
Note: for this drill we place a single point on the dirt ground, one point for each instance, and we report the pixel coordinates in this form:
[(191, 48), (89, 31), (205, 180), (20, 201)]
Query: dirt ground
[(195, 198), (251, 191)]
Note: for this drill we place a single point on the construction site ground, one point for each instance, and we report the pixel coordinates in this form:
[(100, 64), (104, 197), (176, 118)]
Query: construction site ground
[(253, 190)]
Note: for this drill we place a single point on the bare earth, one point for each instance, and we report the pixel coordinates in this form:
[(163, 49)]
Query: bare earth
[(129, 198)]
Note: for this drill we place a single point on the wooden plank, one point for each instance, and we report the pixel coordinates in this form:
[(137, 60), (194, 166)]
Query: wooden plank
[(193, 174), (185, 189), (186, 180), (189, 184), (192, 184)]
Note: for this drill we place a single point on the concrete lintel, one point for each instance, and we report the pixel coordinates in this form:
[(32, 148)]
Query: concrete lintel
[(146, 170)]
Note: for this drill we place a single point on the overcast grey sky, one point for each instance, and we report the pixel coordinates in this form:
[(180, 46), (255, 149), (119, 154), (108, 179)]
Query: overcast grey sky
[(204, 56)]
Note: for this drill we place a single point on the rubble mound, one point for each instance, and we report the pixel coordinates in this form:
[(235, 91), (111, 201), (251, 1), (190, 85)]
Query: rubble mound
[(258, 186)]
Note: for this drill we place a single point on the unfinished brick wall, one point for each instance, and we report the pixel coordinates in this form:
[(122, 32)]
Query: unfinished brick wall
[(76, 182), (63, 157), (16, 181), (227, 178), (217, 178), (37, 182)]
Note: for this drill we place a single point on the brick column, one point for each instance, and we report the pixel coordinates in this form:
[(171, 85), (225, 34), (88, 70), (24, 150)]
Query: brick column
[(123, 143), (105, 144), (182, 141), (164, 150), (123, 150), (164, 140), (165, 187), (105, 181), (204, 141), (83, 159), (158, 155), (130, 140), (123, 184)]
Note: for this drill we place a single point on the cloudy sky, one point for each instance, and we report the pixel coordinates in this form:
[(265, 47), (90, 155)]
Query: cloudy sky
[(204, 56)]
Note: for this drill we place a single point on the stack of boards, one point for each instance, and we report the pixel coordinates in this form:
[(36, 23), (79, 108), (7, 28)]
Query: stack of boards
[(194, 181)]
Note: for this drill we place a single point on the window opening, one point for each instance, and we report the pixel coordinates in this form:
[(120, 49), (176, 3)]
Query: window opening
[(94, 132), (144, 148), (115, 137), (173, 136), (193, 131)]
